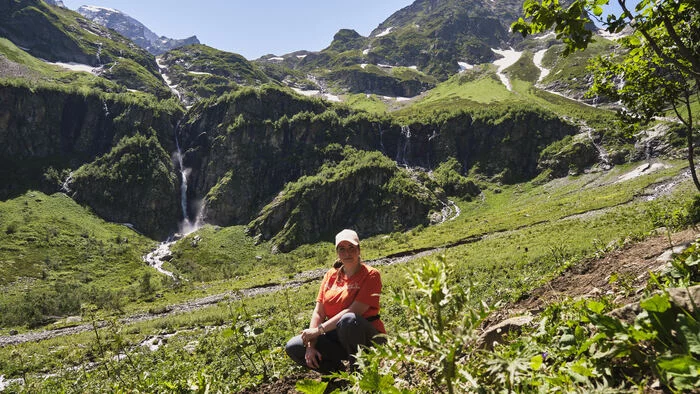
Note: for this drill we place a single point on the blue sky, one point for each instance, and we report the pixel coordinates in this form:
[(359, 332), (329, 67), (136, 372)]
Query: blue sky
[(254, 28)]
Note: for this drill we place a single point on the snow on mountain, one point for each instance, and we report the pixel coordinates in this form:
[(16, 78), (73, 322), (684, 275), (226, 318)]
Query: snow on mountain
[(133, 29)]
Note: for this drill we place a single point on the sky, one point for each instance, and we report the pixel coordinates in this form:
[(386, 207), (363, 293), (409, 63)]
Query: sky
[(254, 28)]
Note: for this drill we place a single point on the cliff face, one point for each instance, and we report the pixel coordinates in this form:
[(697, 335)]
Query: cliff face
[(243, 150), (45, 132)]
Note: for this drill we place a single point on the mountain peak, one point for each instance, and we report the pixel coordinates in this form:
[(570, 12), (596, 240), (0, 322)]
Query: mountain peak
[(133, 29)]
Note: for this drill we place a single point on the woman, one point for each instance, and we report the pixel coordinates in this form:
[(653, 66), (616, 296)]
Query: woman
[(346, 313)]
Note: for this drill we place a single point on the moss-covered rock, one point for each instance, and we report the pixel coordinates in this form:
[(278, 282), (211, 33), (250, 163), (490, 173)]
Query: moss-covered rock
[(365, 191), (134, 183)]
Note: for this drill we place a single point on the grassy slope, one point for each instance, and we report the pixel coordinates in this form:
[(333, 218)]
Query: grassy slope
[(56, 248), (527, 242)]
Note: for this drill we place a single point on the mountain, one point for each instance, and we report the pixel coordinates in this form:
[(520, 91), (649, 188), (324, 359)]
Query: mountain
[(58, 35), (410, 52), (199, 72), (133, 29)]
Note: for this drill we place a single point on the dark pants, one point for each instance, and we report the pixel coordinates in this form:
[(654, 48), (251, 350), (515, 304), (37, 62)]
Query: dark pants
[(337, 345)]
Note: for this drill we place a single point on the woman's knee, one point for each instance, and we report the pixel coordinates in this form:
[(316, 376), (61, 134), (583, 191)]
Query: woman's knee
[(347, 320), (295, 348)]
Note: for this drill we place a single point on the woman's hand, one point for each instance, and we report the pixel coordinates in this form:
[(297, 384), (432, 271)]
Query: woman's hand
[(312, 357), (310, 334)]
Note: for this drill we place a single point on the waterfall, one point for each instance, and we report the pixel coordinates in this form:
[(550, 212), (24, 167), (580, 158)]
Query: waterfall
[(602, 153), (66, 183), (161, 254), (401, 151), (186, 226), (381, 138)]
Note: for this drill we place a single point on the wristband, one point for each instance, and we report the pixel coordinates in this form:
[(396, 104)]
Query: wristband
[(323, 331)]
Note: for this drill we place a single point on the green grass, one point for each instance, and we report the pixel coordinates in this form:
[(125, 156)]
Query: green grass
[(52, 247), (530, 239), (362, 102)]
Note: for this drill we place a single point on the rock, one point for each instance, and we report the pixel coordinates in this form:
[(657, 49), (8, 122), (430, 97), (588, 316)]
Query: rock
[(191, 347), (14, 332), (686, 298), (495, 334)]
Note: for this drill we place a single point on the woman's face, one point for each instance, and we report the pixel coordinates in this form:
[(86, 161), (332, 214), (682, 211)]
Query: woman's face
[(348, 253)]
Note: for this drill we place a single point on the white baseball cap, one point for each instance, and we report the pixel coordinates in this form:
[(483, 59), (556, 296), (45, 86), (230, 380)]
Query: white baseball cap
[(347, 235)]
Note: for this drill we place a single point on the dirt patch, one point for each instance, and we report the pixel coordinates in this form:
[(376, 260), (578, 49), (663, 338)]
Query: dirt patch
[(630, 265)]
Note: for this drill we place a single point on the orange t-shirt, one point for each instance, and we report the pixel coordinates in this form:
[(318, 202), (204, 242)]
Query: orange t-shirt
[(338, 291)]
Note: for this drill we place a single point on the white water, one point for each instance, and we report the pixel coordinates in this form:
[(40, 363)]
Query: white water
[(6, 383), (157, 257), (162, 253), (602, 153), (401, 151)]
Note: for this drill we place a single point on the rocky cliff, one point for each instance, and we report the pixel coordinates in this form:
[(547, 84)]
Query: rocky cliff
[(245, 147), (45, 132)]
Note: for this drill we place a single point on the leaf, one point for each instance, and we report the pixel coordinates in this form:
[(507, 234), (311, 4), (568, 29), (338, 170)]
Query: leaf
[(683, 364), (657, 303), (227, 333), (596, 306), (536, 362), (310, 386), (691, 334)]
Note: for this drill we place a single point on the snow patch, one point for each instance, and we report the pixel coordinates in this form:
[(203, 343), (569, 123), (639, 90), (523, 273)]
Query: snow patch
[(537, 59), (363, 65), (318, 93), (510, 56), (643, 169), (413, 67), (611, 36), (276, 58), (95, 8), (464, 66), (301, 56), (76, 67), (546, 36), (307, 92), (385, 32), (199, 73), (384, 65), (366, 51)]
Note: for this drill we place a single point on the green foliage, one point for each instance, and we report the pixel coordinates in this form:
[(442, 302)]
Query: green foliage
[(431, 348), (448, 176), (56, 255)]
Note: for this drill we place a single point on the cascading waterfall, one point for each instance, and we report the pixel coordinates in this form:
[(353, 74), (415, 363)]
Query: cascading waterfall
[(401, 151), (186, 226), (381, 138), (162, 253)]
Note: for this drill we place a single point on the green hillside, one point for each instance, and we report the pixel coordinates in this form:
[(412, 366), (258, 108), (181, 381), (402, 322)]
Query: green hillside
[(165, 223)]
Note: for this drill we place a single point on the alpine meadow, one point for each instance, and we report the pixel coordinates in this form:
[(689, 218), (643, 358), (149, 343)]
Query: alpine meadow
[(521, 173)]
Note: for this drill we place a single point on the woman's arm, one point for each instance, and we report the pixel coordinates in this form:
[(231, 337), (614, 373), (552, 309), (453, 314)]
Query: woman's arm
[(314, 331)]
